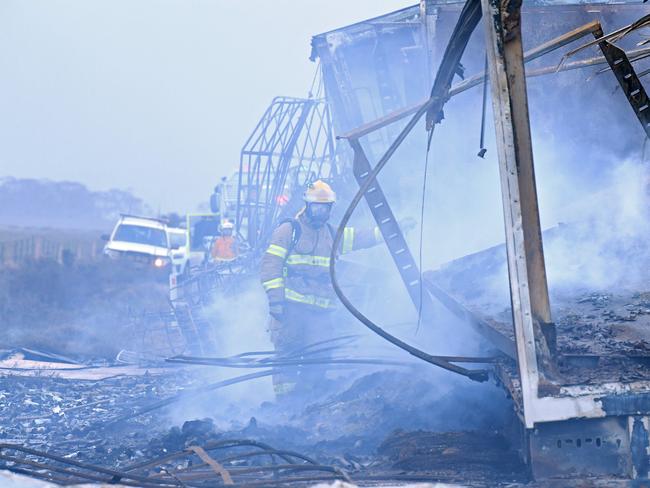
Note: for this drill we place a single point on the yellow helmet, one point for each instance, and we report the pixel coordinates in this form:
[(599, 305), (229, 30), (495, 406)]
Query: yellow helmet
[(319, 192)]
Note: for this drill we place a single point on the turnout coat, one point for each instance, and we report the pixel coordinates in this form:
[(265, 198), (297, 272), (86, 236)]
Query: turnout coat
[(295, 267)]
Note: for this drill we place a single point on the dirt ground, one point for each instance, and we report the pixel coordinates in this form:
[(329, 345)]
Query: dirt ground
[(85, 309)]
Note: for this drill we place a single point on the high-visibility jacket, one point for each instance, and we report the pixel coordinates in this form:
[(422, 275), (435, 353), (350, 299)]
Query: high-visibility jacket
[(224, 248), (300, 273)]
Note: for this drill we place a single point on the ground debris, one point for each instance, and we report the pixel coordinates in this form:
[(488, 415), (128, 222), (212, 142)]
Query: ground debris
[(47, 412), (454, 456), (340, 430)]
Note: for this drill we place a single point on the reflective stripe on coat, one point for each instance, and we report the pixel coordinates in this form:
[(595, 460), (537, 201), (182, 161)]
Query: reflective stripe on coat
[(301, 274)]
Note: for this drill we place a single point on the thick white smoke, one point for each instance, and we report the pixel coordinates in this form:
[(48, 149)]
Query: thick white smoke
[(238, 324)]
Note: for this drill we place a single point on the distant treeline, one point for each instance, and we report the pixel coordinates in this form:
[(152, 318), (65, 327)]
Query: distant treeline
[(63, 204)]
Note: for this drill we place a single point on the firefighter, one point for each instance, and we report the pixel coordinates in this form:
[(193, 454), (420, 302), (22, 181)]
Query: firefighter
[(224, 248), (295, 276)]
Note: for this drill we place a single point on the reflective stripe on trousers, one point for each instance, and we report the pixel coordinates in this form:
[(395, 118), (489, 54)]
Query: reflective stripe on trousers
[(294, 296), (308, 260)]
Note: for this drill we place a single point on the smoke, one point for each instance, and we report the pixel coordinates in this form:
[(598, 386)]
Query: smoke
[(589, 180), (603, 243), (238, 322), (591, 184)]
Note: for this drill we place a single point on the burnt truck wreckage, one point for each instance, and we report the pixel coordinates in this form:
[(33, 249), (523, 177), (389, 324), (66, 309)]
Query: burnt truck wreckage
[(575, 363), (573, 423)]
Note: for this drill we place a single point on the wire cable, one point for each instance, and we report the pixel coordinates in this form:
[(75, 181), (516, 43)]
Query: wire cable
[(482, 150), (316, 82), (422, 207)]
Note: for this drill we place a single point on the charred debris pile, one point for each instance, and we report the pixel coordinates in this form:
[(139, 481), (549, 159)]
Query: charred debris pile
[(602, 325), (116, 426)]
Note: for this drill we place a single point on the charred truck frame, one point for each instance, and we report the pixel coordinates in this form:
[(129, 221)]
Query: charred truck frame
[(291, 145), (570, 426)]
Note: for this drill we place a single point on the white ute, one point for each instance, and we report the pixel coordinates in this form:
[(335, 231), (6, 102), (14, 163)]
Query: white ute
[(141, 239)]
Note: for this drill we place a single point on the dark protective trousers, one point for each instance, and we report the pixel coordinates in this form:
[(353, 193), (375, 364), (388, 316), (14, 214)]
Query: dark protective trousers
[(301, 327)]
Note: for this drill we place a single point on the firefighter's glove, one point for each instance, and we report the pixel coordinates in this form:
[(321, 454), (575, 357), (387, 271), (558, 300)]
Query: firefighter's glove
[(407, 224), (276, 310)]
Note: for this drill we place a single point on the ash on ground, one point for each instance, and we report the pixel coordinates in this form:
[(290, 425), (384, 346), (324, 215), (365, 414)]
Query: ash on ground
[(385, 421)]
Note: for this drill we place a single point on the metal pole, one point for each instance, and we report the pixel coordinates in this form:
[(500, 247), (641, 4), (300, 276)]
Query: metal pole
[(429, 20), (534, 331)]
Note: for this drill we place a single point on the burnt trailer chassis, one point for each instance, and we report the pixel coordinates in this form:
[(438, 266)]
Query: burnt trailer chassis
[(568, 428)]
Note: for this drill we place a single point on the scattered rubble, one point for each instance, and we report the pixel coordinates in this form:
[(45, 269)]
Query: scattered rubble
[(48, 413), (466, 457), (353, 430)]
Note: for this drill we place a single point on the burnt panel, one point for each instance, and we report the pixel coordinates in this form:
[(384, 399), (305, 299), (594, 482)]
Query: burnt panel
[(639, 448), (581, 448), (629, 403)]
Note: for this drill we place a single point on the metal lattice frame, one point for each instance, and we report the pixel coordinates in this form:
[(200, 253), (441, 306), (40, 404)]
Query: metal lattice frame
[(291, 145)]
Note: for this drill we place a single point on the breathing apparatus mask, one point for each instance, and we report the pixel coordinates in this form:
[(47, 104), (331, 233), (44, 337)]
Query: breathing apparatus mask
[(318, 214)]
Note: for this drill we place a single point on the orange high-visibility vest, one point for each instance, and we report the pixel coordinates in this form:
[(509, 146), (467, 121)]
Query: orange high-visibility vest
[(224, 248)]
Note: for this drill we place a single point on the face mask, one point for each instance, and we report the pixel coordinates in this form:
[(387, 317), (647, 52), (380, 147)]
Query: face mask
[(318, 213)]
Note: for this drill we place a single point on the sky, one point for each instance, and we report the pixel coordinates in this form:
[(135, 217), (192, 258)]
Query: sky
[(155, 96)]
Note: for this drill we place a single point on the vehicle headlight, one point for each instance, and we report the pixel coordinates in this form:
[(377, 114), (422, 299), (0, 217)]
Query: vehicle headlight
[(160, 262), (111, 253)]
